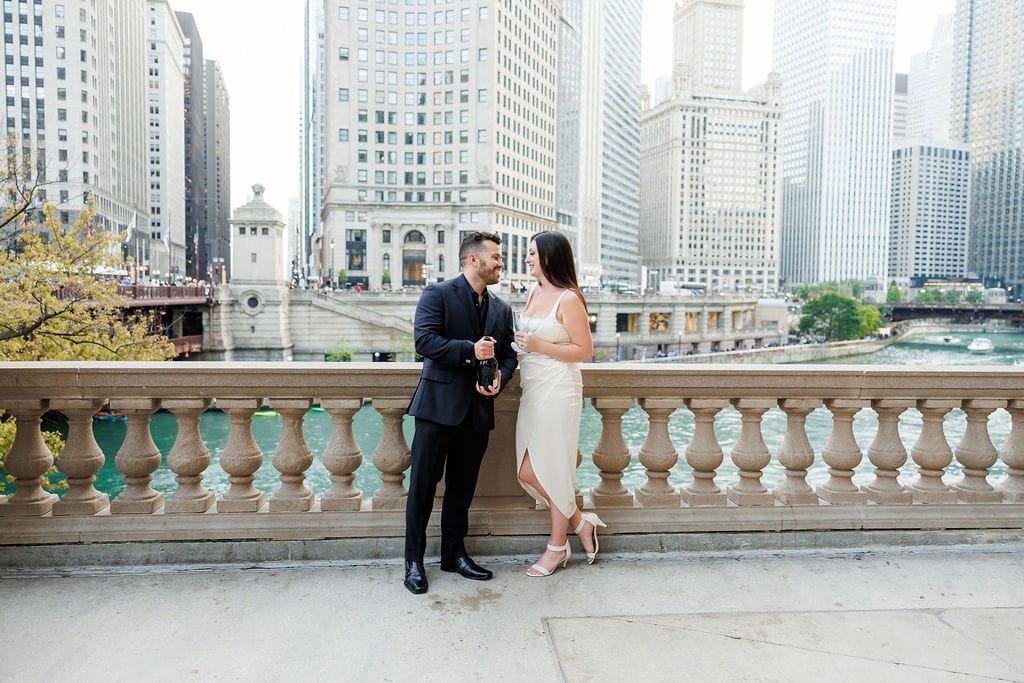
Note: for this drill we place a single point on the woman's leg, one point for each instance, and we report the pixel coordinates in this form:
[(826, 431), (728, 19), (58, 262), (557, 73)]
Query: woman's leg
[(559, 523)]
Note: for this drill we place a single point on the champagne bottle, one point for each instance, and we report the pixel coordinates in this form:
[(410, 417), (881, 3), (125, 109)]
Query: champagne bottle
[(487, 372)]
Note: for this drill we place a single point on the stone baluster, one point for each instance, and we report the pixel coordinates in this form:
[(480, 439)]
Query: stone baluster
[(1012, 454), (887, 454), (81, 459), (704, 454), (292, 458), (658, 455), (137, 459), (842, 454), (342, 456), (976, 453), (932, 453), (796, 453), (750, 454), (188, 458), (391, 457), (241, 457), (611, 456), (27, 461)]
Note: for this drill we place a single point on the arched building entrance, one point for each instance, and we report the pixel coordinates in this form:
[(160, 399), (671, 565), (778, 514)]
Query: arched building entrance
[(414, 259)]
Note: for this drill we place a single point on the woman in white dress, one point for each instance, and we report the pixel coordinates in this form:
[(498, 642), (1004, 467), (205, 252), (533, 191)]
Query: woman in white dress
[(553, 336)]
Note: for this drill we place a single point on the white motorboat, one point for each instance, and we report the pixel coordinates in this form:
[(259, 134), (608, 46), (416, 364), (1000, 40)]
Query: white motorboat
[(980, 345)]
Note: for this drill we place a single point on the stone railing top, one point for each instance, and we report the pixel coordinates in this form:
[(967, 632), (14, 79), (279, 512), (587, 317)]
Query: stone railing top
[(34, 381)]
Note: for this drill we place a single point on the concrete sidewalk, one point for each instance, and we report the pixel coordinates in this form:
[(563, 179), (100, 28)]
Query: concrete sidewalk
[(907, 614)]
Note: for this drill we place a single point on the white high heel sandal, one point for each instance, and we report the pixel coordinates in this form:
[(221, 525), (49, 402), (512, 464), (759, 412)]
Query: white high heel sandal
[(595, 522), (541, 571)]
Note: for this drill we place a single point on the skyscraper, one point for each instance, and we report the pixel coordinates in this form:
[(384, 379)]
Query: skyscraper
[(931, 80), (930, 208), (165, 250), (835, 59), (598, 138), (196, 180), (439, 120), (307, 259), (76, 104), (987, 106), (620, 142), (709, 195), (218, 168)]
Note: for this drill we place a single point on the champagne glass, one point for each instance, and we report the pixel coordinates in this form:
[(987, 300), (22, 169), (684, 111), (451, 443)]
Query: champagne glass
[(518, 325)]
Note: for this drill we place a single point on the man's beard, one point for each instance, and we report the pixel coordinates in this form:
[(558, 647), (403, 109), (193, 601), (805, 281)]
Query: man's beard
[(489, 275)]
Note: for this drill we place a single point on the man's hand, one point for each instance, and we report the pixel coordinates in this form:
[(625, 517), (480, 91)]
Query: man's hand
[(484, 348), (491, 390)]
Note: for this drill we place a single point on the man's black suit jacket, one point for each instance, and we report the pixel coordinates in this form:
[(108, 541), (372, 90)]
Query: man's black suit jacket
[(445, 328)]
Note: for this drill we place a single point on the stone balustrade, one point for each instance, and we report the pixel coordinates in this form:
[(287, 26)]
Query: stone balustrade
[(932, 499)]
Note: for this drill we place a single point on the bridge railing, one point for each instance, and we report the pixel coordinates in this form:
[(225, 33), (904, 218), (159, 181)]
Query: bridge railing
[(953, 486)]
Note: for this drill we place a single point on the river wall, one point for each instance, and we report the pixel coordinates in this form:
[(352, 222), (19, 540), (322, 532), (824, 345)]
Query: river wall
[(807, 353)]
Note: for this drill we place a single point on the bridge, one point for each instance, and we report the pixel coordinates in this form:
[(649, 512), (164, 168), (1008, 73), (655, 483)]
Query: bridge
[(959, 313), (181, 309)]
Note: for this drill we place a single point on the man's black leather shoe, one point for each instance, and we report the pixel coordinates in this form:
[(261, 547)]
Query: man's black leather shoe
[(467, 567), (415, 577)]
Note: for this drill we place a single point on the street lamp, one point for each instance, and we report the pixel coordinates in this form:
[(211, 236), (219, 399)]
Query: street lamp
[(333, 286), (618, 337), (679, 345)]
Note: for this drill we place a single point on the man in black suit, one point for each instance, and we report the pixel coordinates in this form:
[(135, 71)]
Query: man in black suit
[(458, 324)]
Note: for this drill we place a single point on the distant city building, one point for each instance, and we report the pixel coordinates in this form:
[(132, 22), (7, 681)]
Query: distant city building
[(710, 158), (987, 102), (164, 252), (76, 104), (708, 39), (899, 108), (835, 59), (196, 179), (218, 168), (309, 265), (930, 83), (930, 211), (598, 138), (439, 121)]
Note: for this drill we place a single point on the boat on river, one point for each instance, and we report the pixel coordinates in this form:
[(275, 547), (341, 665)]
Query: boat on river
[(980, 345)]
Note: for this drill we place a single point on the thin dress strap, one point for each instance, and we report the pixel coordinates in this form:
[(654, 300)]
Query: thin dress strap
[(554, 309)]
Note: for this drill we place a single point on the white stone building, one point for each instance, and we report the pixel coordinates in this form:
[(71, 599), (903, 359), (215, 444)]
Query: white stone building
[(439, 120), (709, 164)]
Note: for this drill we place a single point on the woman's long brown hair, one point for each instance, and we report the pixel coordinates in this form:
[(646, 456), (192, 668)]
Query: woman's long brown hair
[(554, 255)]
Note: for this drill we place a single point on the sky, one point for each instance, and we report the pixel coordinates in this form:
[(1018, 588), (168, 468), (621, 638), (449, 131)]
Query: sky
[(259, 45)]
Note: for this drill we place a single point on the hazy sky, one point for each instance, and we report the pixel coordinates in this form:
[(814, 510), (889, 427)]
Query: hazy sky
[(259, 46)]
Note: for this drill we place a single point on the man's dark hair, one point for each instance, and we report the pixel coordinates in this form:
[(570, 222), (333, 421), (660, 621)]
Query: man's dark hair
[(472, 242)]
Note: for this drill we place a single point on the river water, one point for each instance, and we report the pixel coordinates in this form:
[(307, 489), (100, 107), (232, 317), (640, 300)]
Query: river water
[(920, 350)]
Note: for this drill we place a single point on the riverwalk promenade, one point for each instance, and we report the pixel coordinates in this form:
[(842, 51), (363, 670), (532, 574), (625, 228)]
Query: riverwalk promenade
[(877, 613)]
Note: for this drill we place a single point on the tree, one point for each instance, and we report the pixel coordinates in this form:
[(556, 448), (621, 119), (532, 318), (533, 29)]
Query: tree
[(928, 296), (895, 293), (57, 304), (975, 296), (952, 296), (342, 278), (832, 316), (870, 319), (341, 351)]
